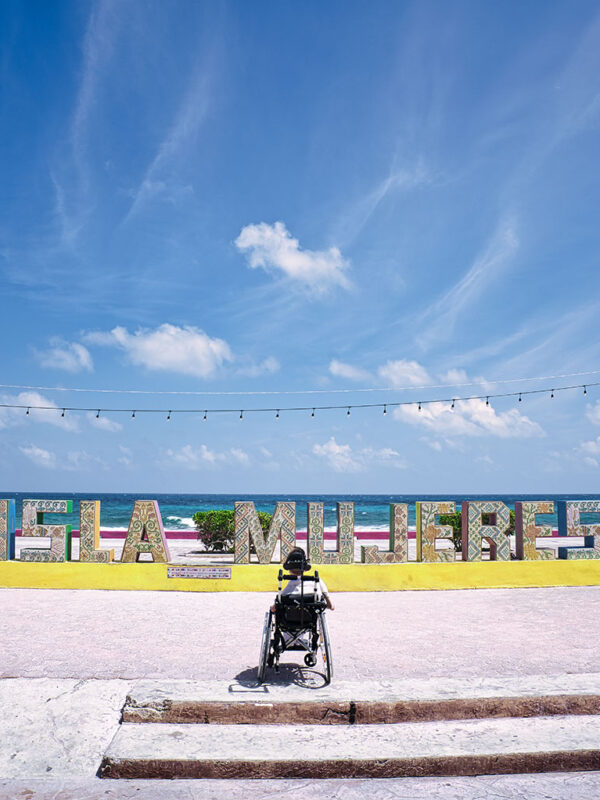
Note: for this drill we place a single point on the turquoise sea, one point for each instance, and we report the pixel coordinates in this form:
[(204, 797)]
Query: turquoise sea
[(371, 510)]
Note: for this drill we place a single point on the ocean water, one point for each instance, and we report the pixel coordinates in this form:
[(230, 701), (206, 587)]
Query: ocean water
[(371, 511)]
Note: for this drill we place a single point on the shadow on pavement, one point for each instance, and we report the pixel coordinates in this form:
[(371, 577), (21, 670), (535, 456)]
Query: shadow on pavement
[(289, 674)]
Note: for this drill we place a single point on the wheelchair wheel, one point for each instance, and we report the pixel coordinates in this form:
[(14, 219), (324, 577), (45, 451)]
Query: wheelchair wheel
[(265, 646), (325, 646)]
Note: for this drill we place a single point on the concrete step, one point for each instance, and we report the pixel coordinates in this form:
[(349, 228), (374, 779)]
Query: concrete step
[(469, 747), (362, 702)]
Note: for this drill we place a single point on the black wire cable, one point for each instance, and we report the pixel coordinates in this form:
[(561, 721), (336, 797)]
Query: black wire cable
[(204, 412)]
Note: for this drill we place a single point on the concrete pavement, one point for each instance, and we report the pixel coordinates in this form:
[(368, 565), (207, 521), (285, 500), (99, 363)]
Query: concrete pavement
[(76, 653)]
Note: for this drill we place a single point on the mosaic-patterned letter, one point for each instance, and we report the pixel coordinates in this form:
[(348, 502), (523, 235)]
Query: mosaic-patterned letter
[(344, 552), (569, 524), (428, 531), (473, 532), (89, 534), (398, 552), (7, 530), (247, 525), (145, 534), (33, 525), (526, 531)]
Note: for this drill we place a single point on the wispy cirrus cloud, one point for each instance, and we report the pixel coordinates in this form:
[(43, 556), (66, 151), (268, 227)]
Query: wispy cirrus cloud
[(274, 249), (441, 316), (159, 179)]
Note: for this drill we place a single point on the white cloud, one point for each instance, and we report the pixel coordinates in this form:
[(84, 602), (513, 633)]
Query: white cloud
[(269, 366), (104, 423), (169, 348), (39, 456), (593, 413), (196, 458), (51, 414), (469, 418), (342, 370), (272, 247), (342, 458), (455, 376), (126, 457), (591, 448), (404, 373), (69, 356)]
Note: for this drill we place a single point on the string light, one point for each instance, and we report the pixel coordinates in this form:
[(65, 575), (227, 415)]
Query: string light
[(277, 411)]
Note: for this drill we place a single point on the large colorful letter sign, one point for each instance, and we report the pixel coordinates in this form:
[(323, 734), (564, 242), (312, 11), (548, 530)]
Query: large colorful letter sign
[(526, 531), (344, 552), (247, 524), (428, 532), (145, 534), (473, 531), (7, 530), (398, 552), (569, 524), (89, 534), (33, 525)]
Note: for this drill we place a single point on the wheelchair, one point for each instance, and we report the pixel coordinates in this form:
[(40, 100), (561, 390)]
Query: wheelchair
[(298, 624)]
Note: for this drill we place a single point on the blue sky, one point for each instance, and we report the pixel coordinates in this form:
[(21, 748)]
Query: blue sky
[(264, 197)]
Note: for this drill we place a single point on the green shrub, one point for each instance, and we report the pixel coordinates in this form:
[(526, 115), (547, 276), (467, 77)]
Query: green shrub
[(216, 529), (454, 520)]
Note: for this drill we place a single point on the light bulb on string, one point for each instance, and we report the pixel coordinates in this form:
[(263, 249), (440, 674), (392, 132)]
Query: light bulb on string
[(520, 398), (27, 413), (313, 413), (384, 410), (98, 414), (204, 417), (241, 415), (552, 394), (63, 413), (133, 415), (585, 389), (168, 416), (348, 412), (487, 401), (452, 406), (419, 405), (277, 414)]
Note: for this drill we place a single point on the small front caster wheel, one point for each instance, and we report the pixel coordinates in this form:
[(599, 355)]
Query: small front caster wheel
[(310, 659)]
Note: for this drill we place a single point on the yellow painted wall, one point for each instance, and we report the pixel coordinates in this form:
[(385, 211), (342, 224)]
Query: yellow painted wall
[(346, 578)]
